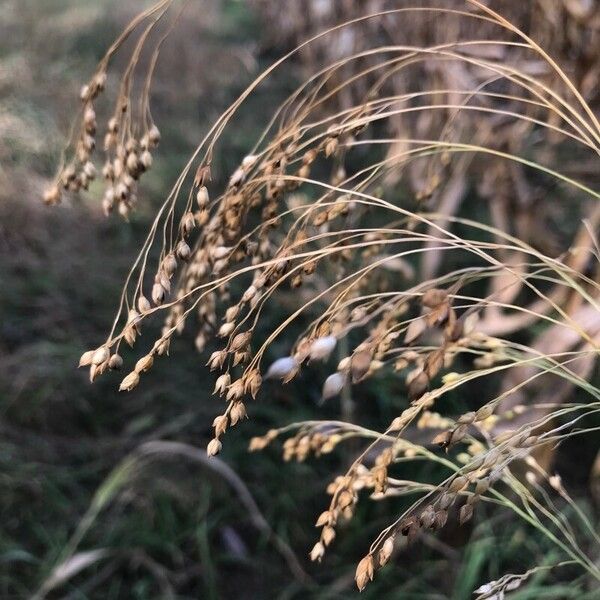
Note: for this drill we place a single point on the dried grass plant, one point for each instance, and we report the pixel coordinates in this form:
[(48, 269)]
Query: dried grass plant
[(347, 213)]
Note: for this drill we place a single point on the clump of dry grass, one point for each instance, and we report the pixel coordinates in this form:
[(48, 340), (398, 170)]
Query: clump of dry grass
[(409, 286), (131, 134)]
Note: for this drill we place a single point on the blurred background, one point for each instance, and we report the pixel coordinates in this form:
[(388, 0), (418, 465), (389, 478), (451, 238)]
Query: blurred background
[(105, 495)]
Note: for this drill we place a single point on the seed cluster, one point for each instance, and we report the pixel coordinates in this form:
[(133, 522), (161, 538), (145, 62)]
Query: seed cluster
[(309, 236), (129, 134)]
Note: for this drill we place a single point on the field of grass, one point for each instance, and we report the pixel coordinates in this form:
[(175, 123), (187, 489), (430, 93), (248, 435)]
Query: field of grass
[(107, 495)]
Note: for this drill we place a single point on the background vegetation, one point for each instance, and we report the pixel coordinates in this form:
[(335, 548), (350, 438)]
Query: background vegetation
[(116, 488)]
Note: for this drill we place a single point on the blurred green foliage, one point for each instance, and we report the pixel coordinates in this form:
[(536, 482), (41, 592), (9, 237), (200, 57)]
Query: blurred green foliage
[(169, 526)]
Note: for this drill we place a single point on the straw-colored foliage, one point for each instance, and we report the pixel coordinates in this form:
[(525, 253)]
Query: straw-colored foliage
[(414, 208)]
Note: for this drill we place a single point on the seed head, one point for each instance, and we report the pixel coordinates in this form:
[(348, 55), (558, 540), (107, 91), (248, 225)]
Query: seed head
[(252, 382), (458, 483), (226, 329), (89, 117), (188, 223), (202, 197), (113, 125), (144, 364), (282, 368), (333, 385), (214, 447), (322, 347), (115, 362), (434, 297), (482, 486), (52, 195), (325, 518), (240, 341), (249, 293), (418, 385), (331, 145), (222, 383), (129, 382), (238, 412), (217, 359), (364, 572), (317, 553), (235, 391), (84, 93), (231, 313), (220, 425), (169, 264), (360, 364), (89, 170), (130, 334), (153, 136), (146, 159), (158, 294), (88, 143), (143, 304), (99, 80), (466, 512), (220, 252), (86, 358), (427, 517), (458, 434), (345, 499), (327, 535), (133, 318), (249, 161), (237, 178), (386, 551), (441, 516), (183, 251), (484, 412), (442, 439), (101, 355)]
